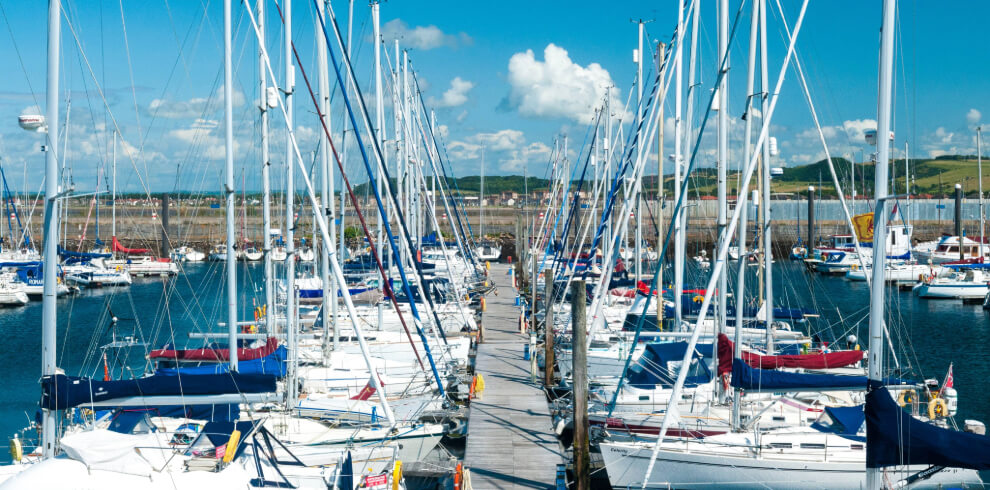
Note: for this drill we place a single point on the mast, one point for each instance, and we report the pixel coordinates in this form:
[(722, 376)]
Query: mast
[(680, 237), (765, 200), (638, 245), (678, 130), (979, 179), (723, 152), (380, 135), (113, 192), (748, 155), (481, 199), (48, 313), (327, 194), (228, 117), (290, 223), (266, 178), (874, 476)]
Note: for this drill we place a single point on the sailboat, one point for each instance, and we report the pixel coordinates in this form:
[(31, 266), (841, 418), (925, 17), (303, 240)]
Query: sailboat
[(864, 446), (487, 250)]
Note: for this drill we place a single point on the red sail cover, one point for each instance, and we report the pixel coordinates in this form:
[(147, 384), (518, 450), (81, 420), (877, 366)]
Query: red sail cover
[(215, 355), (117, 247), (807, 361)]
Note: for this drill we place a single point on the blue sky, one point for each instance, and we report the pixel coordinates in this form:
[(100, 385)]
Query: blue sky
[(510, 76)]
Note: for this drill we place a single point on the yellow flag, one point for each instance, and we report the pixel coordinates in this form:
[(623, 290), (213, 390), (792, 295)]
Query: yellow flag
[(864, 227)]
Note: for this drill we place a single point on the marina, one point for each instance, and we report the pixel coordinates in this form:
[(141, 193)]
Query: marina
[(303, 256)]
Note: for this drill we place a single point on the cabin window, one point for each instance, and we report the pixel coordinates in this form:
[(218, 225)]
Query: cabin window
[(644, 398), (781, 445), (812, 445), (778, 418), (856, 446)]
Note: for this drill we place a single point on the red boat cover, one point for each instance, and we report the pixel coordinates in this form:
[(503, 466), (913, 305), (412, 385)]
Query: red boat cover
[(117, 247), (215, 355), (807, 361)]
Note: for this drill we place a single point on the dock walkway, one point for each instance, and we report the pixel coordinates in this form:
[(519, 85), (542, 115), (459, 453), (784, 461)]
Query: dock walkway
[(511, 443)]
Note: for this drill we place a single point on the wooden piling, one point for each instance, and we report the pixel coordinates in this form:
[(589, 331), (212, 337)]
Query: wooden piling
[(579, 378)]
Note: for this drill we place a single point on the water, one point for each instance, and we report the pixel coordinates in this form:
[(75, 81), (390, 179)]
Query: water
[(152, 310), (928, 334)]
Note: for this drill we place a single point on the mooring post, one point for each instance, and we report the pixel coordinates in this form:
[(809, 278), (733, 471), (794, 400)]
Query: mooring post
[(579, 379)]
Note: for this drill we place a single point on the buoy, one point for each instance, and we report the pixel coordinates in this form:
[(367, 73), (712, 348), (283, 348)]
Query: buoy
[(458, 476), (937, 408), (483, 308), (235, 437)]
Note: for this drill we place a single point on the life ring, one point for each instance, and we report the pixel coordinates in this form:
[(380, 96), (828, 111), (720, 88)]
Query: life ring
[(698, 298), (906, 397), (16, 450), (937, 408)]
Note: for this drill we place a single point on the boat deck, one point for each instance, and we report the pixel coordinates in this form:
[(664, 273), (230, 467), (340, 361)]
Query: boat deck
[(511, 443)]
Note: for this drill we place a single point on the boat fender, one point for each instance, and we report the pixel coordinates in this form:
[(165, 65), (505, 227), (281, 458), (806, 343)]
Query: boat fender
[(906, 397), (397, 475), (16, 450), (937, 408), (235, 437)]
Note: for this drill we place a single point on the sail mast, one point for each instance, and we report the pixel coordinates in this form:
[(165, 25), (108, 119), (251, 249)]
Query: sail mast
[(748, 155), (874, 476), (326, 192), (228, 115), (723, 141), (48, 313), (765, 200), (678, 135), (290, 222), (266, 177), (638, 237)]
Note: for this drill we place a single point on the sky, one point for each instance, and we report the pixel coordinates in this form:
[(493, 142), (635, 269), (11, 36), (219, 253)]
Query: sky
[(513, 78)]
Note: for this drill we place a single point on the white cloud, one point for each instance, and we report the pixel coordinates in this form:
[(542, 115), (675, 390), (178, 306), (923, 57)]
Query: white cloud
[(455, 95), (195, 107), (557, 87), (463, 115), (943, 136), (421, 37), (506, 150), (973, 116)]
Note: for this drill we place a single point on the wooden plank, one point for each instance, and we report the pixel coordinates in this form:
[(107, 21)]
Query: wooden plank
[(511, 443)]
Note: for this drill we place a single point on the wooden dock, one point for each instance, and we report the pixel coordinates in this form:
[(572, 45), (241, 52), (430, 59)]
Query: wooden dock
[(511, 443)]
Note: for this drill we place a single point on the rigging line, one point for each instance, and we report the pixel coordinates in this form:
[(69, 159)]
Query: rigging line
[(386, 283), (723, 64), (17, 51)]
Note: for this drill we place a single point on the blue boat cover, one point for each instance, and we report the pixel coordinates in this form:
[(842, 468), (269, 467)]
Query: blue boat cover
[(81, 255), (219, 432), (124, 421), (272, 364), (60, 392), (844, 421), (894, 437), (652, 369), (762, 380)]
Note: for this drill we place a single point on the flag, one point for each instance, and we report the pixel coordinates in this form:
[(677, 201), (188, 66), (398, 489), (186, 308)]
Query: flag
[(948, 381), (864, 227)]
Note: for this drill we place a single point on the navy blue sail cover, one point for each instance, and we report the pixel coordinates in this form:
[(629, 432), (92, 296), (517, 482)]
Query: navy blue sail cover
[(894, 438), (750, 379), (60, 392), (272, 364), (652, 369)]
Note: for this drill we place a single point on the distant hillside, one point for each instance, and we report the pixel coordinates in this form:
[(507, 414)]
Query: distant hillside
[(934, 176)]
